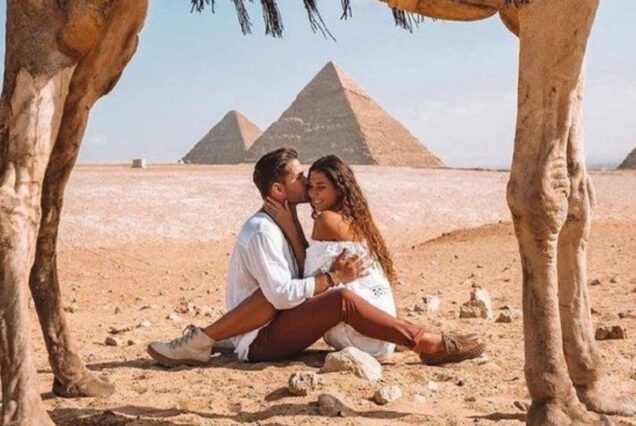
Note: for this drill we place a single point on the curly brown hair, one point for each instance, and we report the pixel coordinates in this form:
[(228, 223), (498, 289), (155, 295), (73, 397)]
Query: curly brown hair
[(354, 207)]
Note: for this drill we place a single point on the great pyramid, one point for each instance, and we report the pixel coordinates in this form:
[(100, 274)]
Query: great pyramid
[(333, 115), (629, 162), (226, 142)]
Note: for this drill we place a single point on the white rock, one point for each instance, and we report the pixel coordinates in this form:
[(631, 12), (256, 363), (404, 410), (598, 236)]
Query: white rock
[(145, 323), (387, 394), (432, 386), (353, 359), (332, 406), (173, 316), (479, 305), (508, 315), (303, 382), (431, 303)]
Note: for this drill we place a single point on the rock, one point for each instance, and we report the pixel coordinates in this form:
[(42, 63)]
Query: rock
[(387, 394), (353, 359), (482, 359), (173, 316), (112, 341), (132, 342), (431, 303), (479, 305), (607, 332), (432, 386), (631, 314), (117, 310), (71, 309), (595, 282), (614, 280), (333, 406), (302, 383), (508, 316), (119, 330), (522, 405), (145, 323)]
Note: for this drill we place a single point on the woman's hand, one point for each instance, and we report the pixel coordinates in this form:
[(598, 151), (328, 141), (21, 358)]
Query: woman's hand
[(282, 214)]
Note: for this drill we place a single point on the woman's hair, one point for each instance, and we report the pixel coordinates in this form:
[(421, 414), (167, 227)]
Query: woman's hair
[(354, 207)]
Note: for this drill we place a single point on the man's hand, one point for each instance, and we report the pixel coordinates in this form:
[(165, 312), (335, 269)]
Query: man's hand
[(346, 268)]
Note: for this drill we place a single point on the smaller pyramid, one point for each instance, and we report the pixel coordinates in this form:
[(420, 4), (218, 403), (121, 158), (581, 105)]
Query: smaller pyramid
[(226, 142), (630, 161)]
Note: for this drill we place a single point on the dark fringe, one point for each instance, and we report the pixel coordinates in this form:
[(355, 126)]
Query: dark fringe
[(243, 17), (406, 20), (272, 18), (315, 20), (346, 9), (274, 22)]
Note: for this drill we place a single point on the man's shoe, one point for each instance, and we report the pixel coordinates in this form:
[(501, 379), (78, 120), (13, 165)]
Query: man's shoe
[(192, 348), (455, 348)]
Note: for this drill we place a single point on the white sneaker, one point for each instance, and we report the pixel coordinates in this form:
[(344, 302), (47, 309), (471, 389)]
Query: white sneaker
[(192, 348)]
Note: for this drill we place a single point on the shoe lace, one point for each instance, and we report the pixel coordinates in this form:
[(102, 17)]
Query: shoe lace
[(186, 335)]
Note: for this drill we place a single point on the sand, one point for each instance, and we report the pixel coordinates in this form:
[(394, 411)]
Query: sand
[(137, 244)]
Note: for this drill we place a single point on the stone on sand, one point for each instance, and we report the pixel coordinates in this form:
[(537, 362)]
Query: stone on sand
[(387, 394), (353, 359), (333, 406), (303, 382), (607, 332), (479, 305), (508, 315)]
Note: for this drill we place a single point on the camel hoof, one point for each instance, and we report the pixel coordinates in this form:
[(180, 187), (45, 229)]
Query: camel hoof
[(569, 412), (604, 398), (87, 386)]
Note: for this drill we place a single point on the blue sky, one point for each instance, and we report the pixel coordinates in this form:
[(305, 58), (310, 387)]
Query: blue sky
[(453, 85)]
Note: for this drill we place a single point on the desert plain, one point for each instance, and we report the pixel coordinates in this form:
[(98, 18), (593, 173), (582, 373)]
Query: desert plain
[(144, 252)]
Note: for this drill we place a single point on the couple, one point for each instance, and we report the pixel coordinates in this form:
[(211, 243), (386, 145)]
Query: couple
[(345, 296)]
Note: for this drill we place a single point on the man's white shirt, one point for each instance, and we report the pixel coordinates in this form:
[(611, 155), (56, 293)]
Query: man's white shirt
[(262, 258)]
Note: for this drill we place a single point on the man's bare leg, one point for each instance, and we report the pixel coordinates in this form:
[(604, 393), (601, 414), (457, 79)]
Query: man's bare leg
[(251, 314)]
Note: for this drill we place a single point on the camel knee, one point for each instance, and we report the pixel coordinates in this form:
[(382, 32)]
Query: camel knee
[(539, 209)]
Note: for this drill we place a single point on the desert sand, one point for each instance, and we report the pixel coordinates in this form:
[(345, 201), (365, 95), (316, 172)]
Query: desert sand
[(138, 245)]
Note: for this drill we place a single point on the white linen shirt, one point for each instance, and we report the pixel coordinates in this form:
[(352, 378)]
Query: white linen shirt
[(263, 258)]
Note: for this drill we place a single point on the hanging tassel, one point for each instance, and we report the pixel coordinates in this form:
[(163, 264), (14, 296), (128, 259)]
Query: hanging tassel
[(315, 19), (346, 9), (243, 17), (272, 18)]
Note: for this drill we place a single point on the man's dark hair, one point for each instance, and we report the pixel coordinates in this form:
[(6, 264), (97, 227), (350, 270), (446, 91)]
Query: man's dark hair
[(272, 168)]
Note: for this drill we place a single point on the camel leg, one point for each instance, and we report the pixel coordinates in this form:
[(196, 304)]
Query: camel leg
[(37, 77), (550, 62), (580, 349), (95, 75)]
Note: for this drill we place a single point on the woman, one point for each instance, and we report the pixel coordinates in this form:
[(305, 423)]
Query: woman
[(343, 221)]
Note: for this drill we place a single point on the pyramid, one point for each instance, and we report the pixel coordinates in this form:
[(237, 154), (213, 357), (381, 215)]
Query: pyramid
[(630, 161), (226, 142), (334, 115)]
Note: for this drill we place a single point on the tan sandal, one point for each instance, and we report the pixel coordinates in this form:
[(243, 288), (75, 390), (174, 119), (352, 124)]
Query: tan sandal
[(455, 348)]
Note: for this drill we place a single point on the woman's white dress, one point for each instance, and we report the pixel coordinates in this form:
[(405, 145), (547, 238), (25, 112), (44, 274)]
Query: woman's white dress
[(374, 288)]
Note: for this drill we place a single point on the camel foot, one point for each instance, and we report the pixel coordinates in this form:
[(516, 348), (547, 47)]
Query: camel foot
[(86, 386), (603, 397), (33, 415), (567, 412)]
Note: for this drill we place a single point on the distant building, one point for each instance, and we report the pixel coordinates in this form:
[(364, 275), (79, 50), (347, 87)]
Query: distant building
[(226, 142), (630, 161)]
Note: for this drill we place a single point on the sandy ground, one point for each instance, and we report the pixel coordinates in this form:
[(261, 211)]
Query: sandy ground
[(136, 244)]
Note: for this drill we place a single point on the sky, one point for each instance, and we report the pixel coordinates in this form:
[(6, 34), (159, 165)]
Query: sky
[(453, 85)]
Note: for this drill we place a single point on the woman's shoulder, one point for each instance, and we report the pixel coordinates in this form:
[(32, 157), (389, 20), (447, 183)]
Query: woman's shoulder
[(332, 226)]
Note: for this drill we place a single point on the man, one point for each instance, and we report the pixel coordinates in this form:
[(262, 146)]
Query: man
[(264, 286)]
